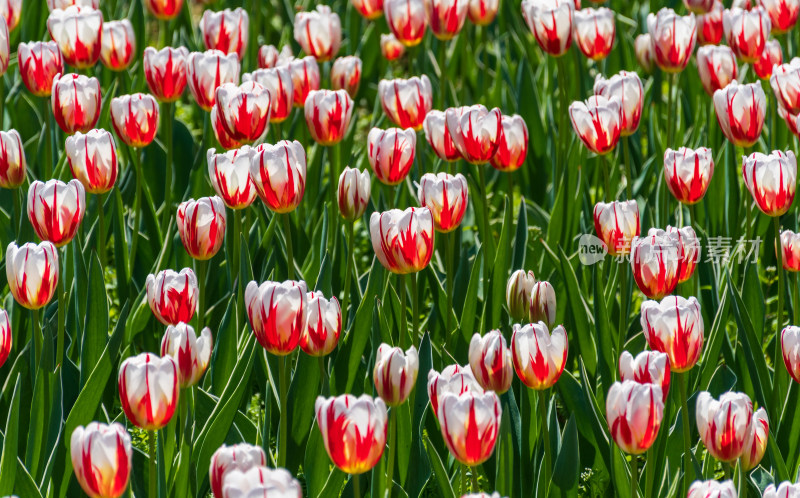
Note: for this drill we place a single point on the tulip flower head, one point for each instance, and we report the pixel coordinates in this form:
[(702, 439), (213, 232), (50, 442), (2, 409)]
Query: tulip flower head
[(454, 379), (446, 17), (438, 137), (512, 144), (191, 353), (260, 481), (318, 32), (597, 122), (391, 153), (395, 373), (648, 367), (239, 457), (688, 173), (225, 30), (724, 424), (717, 67), (790, 347), (490, 361), (595, 31), (483, 12), (542, 306), (230, 176), (551, 22), (164, 10), (755, 441), (673, 38), (627, 87), (771, 180), (135, 118), (391, 48), (305, 78), (446, 196), (403, 240), (643, 48), (786, 489), (369, 9), (785, 83), (148, 390), (201, 225), (740, 112), (634, 412), (39, 63), (790, 245), (78, 31), (165, 71), (782, 14), (92, 159), (746, 32), (75, 102), (475, 131), (278, 82), (11, 11), (118, 44), (674, 326), (205, 71), (699, 6), (712, 489), (269, 56), (470, 423), (5, 336), (12, 160), (5, 46), (279, 174), (353, 193), (328, 114), (688, 248), (406, 101), (102, 458), (518, 294), (324, 325), (539, 356), (278, 314), (406, 19), (709, 25), (172, 295), (56, 209), (353, 430), (32, 273), (63, 4), (617, 225), (656, 263), (243, 111), (346, 74), (770, 57)]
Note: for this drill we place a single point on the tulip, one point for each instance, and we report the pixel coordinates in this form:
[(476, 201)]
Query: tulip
[(746, 32), (688, 248), (782, 14), (346, 74), (148, 390), (241, 457), (771, 56), (11, 10), (482, 495), (634, 412), (724, 424), (118, 44), (191, 354), (716, 66), (230, 176), (712, 489), (789, 118), (318, 32), (470, 423), (243, 111), (165, 71), (278, 314), (225, 139), (305, 78), (328, 114), (92, 159), (406, 102), (740, 112), (391, 48), (542, 306), (688, 173), (369, 9), (512, 144), (699, 6), (102, 458), (407, 20), (539, 356), (201, 225), (5, 47), (475, 131), (755, 441), (391, 153), (674, 326), (454, 379), (39, 63), (260, 481), (490, 361), (395, 373), (518, 294), (771, 180), (785, 82), (172, 296), (446, 196), (56, 209), (353, 430), (550, 21), (12, 160), (78, 32), (483, 12), (786, 489), (656, 263), (353, 193), (278, 82), (321, 334), (135, 118), (32, 272), (225, 31), (5, 336), (673, 38), (627, 87), (75, 102), (595, 31), (206, 71), (597, 122), (164, 9), (403, 240), (438, 137), (648, 367), (269, 57), (709, 25), (617, 225), (279, 174), (643, 48), (790, 245), (790, 347), (446, 17)]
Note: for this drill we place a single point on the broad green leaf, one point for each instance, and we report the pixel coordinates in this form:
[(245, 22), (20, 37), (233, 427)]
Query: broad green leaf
[(8, 460), (95, 329)]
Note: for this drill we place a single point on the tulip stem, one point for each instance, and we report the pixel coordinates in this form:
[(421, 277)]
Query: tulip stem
[(626, 149), (391, 450), (101, 230), (545, 435), (473, 471), (606, 180), (486, 236), (443, 72), (287, 235), (323, 375), (137, 208), (62, 307), (562, 115), (742, 489), (168, 115), (780, 373), (688, 471), (414, 310), (634, 477), (450, 242), (623, 308), (356, 486), (236, 269), (48, 132), (200, 267), (348, 271), (152, 453), (283, 367), (37, 336), (401, 288), (649, 473), (796, 306), (463, 479)]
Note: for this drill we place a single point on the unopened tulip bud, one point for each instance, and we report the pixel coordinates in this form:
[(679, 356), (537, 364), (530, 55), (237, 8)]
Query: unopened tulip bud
[(648, 367), (78, 32), (595, 31), (403, 240), (241, 457), (353, 193), (318, 32), (102, 458), (470, 424), (226, 30), (321, 334), (634, 413), (724, 424), (92, 159), (438, 137), (518, 294), (454, 379), (305, 78), (674, 326), (32, 273), (542, 306), (490, 361), (673, 38), (346, 74), (617, 225), (191, 353), (118, 45), (353, 430), (391, 48), (643, 47), (165, 71), (278, 314), (771, 180), (56, 209), (75, 102), (395, 373), (201, 225), (12, 160), (279, 174), (406, 102), (755, 441), (539, 356), (5, 336), (148, 390), (446, 196), (512, 144), (790, 245), (688, 173), (172, 296)]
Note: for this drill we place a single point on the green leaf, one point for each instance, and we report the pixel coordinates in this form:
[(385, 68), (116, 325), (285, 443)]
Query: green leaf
[(95, 328), (500, 267), (580, 313), (439, 471), (566, 471), (302, 395), (8, 460), (521, 238)]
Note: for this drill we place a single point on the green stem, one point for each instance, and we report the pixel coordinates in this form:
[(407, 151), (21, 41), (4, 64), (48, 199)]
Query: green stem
[(37, 336), (283, 367), (168, 115), (184, 412), (101, 230), (626, 150), (201, 266), (561, 73), (796, 306), (348, 271), (443, 75), (137, 208), (688, 471), (401, 288), (236, 269), (623, 308), (486, 235), (323, 375), (2, 101), (545, 435), (152, 454), (49, 131), (356, 486), (464, 489), (649, 473), (606, 180), (474, 474), (634, 477), (414, 310), (670, 116), (742, 489), (450, 242), (780, 370), (287, 235), (392, 450), (333, 173), (62, 309)]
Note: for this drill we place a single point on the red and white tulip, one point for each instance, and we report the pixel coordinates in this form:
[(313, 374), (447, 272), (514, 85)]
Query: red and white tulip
[(771, 180), (406, 19), (395, 373), (328, 114), (318, 32), (92, 159), (446, 196), (656, 263), (102, 458), (230, 176), (205, 71), (39, 63), (32, 273), (278, 313), (226, 30), (353, 430), (551, 22), (539, 356), (627, 87), (634, 413), (278, 82), (724, 424), (674, 326), (617, 225), (740, 112), (673, 38), (470, 424), (165, 71), (135, 118), (172, 295), (490, 361), (716, 66), (512, 146), (78, 31), (391, 153), (148, 390), (406, 102), (56, 209), (75, 102), (454, 379), (201, 225), (403, 240), (746, 32), (475, 131), (118, 44), (279, 174), (595, 31), (353, 193), (346, 74), (192, 354), (324, 325), (597, 122), (239, 457), (688, 173), (13, 166), (647, 367)]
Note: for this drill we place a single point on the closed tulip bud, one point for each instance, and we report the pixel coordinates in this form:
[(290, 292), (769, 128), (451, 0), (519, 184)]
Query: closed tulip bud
[(226, 30), (402, 240), (595, 31), (688, 248), (771, 180), (118, 44), (12, 160), (260, 481), (369, 9), (391, 153), (135, 118), (643, 48), (470, 423), (102, 458), (353, 430), (406, 102), (512, 144), (201, 225), (490, 361), (518, 295), (712, 489), (230, 176), (446, 196), (353, 193), (318, 32), (346, 74), (627, 87), (56, 209), (673, 38), (78, 32), (278, 82), (790, 245), (446, 17), (648, 367), (674, 326), (438, 136), (32, 273), (542, 306), (597, 122), (656, 264), (5, 336), (148, 390), (786, 489), (723, 425), (454, 379), (278, 314), (475, 131), (305, 78), (699, 6), (11, 11), (191, 353), (539, 356), (164, 9), (92, 159), (321, 334), (688, 173), (483, 12), (239, 457), (328, 114), (269, 56), (717, 67), (746, 32), (205, 71), (279, 174), (407, 20), (770, 57), (782, 14), (391, 48), (75, 102), (755, 441), (790, 346), (709, 25), (224, 138), (617, 225), (634, 413), (550, 21), (39, 63), (785, 82), (740, 112), (243, 110), (172, 296), (165, 71), (395, 373)]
